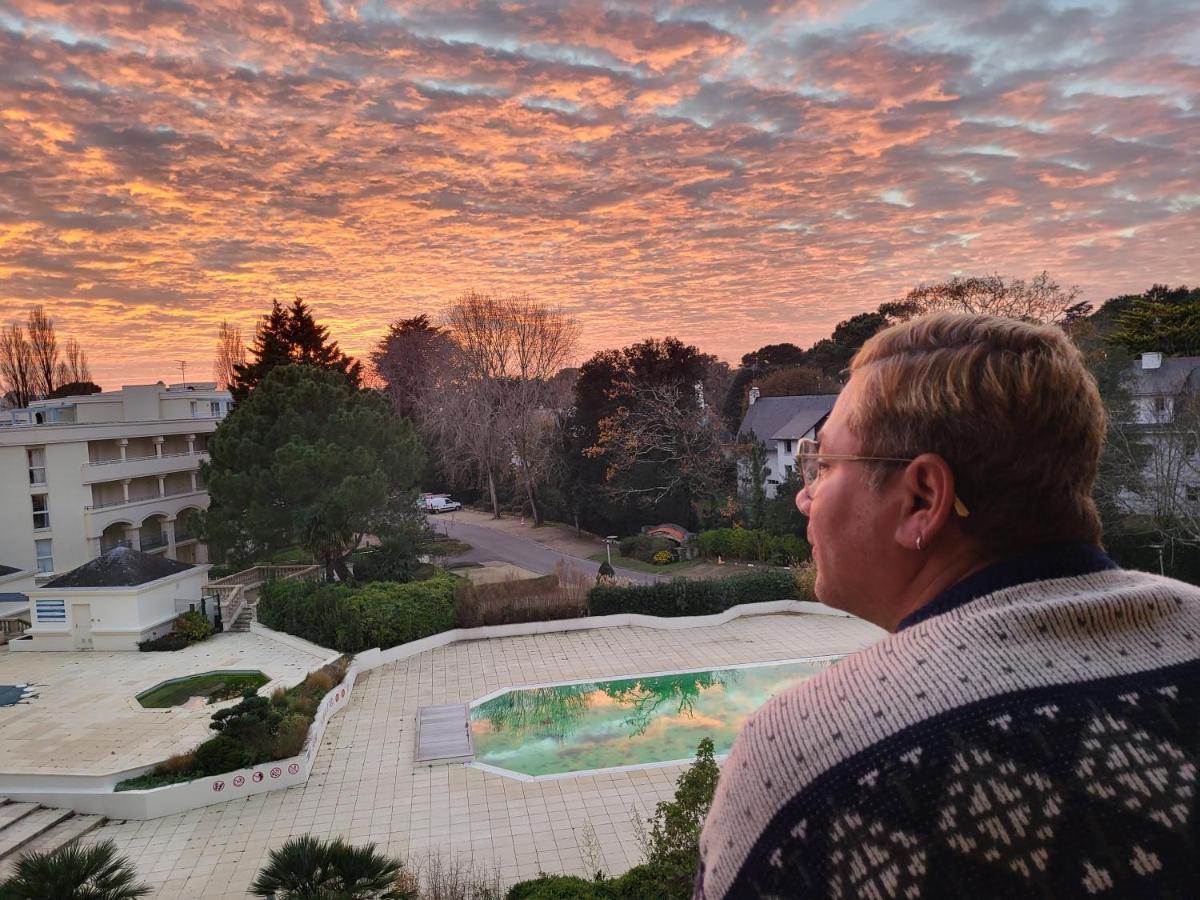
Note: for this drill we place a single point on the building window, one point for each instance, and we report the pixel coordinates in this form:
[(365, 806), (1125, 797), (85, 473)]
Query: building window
[(41, 511), (195, 410), (37, 465), (214, 408), (787, 446), (45, 555), (51, 610), (1193, 492), (1160, 404)]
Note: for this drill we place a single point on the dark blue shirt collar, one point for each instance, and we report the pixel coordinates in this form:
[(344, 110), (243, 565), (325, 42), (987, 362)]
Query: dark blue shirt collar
[(1040, 563)]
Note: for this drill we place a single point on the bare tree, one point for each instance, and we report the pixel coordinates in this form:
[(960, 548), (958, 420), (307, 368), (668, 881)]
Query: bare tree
[(231, 352), (501, 406), (43, 346), (16, 365), (662, 431), (73, 368), (1040, 300)]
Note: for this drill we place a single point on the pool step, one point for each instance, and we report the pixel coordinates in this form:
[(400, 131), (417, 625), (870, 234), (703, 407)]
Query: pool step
[(26, 827)]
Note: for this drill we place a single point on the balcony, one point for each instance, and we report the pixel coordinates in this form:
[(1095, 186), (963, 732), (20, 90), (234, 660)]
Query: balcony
[(137, 467), (135, 511)]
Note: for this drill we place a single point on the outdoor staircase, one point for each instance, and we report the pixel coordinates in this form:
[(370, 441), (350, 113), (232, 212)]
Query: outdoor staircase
[(26, 827), (244, 618)]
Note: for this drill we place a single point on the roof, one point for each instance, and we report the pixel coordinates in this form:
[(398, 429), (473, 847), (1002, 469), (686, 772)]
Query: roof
[(12, 608), (7, 570), (786, 418), (1167, 380), (120, 567)]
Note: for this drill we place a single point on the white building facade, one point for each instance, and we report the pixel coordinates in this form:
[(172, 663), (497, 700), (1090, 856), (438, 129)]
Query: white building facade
[(81, 475), (780, 423)]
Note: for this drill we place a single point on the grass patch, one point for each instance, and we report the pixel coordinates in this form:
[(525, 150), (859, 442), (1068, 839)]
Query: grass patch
[(634, 564), (215, 686), (449, 547)]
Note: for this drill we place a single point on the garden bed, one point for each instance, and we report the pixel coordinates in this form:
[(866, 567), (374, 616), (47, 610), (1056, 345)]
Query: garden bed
[(212, 686)]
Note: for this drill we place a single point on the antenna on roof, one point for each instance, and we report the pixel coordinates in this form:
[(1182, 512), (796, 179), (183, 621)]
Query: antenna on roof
[(182, 370)]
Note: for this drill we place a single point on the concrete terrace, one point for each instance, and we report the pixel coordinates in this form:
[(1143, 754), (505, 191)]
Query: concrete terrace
[(366, 787), (85, 719)]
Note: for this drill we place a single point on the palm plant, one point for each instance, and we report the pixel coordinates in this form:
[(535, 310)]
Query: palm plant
[(308, 868), (75, 872)]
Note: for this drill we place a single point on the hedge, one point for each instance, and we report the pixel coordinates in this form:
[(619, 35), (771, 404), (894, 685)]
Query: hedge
[(645, 546), (700, 597), (754, 545), (352, 619)]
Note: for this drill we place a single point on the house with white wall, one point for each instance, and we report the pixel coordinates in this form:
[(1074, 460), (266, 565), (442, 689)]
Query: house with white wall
[(112, 602), (780, 423), (80, 475)]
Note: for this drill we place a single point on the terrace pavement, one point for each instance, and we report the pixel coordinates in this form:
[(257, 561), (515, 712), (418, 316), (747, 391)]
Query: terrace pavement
[(85, 719), (365, 785)]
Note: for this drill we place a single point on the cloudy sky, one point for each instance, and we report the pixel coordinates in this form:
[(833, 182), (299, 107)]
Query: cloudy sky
[(733, 174)]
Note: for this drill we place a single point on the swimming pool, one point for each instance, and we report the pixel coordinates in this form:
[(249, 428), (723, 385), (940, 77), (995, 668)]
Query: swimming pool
[(565, 729)]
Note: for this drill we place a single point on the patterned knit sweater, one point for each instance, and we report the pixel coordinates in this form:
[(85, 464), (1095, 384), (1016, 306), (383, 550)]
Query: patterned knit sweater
[(1033, 732)]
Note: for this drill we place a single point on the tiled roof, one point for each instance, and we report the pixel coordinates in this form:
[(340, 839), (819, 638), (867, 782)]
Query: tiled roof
[(120, 567), (780, 418)]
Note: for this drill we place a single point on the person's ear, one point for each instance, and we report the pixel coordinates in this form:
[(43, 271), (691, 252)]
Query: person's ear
[(927, 501)]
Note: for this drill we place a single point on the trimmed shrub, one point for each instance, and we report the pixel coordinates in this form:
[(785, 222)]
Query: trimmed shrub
[(170, 641), (701, 597), (351, 619), (222, 753)]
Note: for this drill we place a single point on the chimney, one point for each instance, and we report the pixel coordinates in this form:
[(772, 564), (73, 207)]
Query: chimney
[(754, 394), (1151, 361)]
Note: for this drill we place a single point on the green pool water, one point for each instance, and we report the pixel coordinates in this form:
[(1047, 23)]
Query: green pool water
[(565, 728)]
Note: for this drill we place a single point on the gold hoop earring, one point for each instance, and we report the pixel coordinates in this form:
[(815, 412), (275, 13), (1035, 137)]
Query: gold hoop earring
[(918, 542)]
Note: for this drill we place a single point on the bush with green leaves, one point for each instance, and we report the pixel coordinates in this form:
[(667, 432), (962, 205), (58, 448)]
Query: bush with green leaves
[(74, 872), (644, 546), (194, 626), (694, 597), (352, 619), (754, 545), (168, 642), (306, 867)]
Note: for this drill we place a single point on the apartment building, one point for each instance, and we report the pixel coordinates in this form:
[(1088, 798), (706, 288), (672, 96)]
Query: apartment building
[(81, 475)]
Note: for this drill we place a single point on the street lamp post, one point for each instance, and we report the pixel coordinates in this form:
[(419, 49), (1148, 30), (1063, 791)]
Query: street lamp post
[(608, 542)]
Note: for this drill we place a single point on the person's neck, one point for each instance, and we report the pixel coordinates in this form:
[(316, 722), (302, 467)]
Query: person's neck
[(940, 572)]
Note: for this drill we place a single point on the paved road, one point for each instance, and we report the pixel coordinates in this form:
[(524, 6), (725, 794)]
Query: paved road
[(489, 544)]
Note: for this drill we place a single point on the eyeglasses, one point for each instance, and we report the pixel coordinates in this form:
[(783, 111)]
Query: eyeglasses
[(810, 460)]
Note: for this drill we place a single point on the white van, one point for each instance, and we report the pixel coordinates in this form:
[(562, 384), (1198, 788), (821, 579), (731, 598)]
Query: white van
[(436, 503)]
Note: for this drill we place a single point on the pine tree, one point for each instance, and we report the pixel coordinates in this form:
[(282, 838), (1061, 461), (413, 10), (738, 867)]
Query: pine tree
[(291, 335)]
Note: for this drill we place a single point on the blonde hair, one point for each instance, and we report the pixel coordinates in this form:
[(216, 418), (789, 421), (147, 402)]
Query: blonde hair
[(1009, 406)]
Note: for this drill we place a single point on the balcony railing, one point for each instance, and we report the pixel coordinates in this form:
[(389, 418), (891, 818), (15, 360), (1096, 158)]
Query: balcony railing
[(154, 543), (109, 462), (111, 504)]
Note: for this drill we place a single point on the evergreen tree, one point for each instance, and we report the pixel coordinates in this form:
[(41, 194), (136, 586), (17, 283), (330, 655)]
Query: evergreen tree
[(1163, 319), (291, 335)]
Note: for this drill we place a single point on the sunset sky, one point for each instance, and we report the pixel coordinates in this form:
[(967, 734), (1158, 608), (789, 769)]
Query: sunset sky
[(733, 174)]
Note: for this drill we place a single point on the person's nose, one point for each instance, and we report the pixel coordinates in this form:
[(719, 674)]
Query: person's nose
[(803, 501)]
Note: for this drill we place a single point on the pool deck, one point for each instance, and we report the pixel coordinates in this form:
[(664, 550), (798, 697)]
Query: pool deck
[(85, 719), (366, 786)]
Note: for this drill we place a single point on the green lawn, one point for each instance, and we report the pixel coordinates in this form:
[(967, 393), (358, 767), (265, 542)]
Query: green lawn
[(214, 686), (630, 562), (446, 548)]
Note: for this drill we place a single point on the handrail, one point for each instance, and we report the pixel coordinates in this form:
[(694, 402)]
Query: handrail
[(232, 590)]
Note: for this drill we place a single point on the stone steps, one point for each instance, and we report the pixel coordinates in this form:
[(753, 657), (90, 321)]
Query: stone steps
[(26, 827)]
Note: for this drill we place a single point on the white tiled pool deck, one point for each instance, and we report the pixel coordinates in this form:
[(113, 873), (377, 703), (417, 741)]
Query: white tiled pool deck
[(85, 719), (365, 786)]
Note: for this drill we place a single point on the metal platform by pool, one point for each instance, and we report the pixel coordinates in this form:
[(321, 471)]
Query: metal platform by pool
[(444, 734)]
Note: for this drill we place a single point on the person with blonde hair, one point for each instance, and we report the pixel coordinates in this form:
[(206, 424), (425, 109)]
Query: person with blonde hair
[(1031, 724)]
